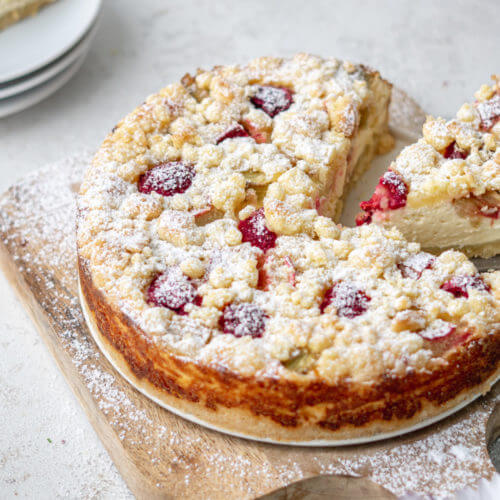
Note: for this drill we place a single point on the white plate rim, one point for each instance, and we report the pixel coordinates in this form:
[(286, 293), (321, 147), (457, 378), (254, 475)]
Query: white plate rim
[(94, 9), (51, 70), (19, 102)]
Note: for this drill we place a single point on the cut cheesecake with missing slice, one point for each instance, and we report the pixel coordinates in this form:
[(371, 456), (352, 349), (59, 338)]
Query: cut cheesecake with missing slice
[(444, 190), (215, 279)]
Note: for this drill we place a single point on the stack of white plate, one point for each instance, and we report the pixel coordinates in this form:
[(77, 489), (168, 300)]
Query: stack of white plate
[(38, 55)]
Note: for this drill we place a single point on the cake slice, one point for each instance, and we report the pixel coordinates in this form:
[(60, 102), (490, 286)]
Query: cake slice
[(12, 11), (444, 190)]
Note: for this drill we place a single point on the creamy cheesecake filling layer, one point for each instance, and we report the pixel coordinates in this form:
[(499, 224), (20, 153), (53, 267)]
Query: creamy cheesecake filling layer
[(365, 145), (440, 226), (363, 150)]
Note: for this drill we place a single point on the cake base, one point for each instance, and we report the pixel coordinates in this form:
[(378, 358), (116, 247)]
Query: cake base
[(165, 400)]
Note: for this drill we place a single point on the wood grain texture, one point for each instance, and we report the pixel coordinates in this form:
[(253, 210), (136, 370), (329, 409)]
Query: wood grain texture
[(163, 456)]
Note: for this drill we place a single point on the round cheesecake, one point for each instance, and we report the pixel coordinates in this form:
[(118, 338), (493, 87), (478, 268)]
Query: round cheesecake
[(215, 278)]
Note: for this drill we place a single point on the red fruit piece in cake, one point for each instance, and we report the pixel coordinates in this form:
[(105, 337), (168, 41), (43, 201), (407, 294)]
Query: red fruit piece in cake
[(292, 276), (438, 330), (167, 178), (236, 131), (485, 205), (243, 319), (363, 218), (453, 152), (265, 280), (174, 290), (202, 212), (272, 100), (489, 112), (459, 285), (274, 269), (254, 230), (260, 136), (320, 203), (415, 265), (390, 194), (347, 298)]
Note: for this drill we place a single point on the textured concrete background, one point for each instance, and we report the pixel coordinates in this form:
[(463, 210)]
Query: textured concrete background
[(439, 52)]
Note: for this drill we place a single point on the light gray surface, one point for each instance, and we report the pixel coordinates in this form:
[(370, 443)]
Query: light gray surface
[(439, 52)]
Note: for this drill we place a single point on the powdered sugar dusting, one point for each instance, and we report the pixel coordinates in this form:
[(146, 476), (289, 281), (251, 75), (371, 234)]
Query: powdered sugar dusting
[(348, 300), (489, 111), (243, 319), (416, 264), (437, 330), (272, 100), (459, 286), (37, 224), (255, 231), (172, 289), (167, 178)]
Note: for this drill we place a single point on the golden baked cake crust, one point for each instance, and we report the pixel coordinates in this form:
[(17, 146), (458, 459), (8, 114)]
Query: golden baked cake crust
[(288, 410), (212, 268)]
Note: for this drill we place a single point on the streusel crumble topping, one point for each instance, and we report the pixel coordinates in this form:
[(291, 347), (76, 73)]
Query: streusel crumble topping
[(207, 218), (456, 160)]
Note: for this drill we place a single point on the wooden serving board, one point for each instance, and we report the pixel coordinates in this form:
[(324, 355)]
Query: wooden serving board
[(161, 455)]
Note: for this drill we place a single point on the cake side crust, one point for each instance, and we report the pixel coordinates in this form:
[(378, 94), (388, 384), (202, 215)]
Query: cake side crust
[(289, 410)]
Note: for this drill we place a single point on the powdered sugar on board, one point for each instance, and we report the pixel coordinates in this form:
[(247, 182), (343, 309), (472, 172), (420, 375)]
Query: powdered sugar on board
[(175, 456), (406, 117), (47, 449)]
